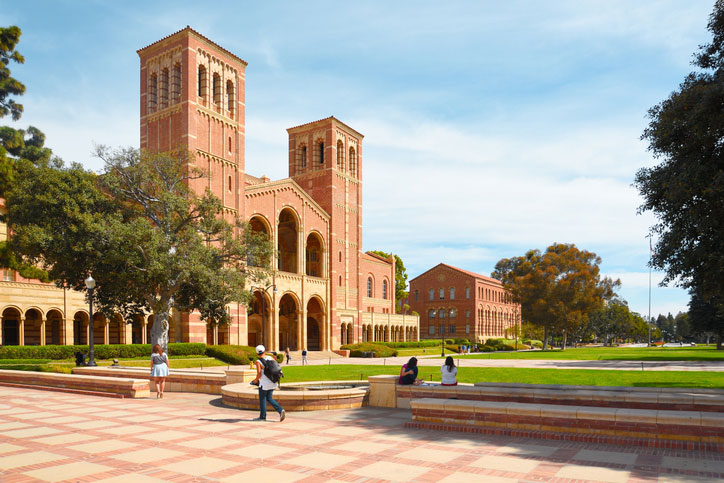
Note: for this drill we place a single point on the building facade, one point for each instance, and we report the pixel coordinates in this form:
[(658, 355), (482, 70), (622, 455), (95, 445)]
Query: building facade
[(457, 303), (324, 290)]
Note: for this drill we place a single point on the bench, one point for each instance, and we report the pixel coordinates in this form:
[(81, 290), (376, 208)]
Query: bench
[(177, 381), (643, 427), (84, 384)]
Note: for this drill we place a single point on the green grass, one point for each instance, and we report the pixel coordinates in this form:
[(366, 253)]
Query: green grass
[(421, 351), (699, 353), (527, 376)]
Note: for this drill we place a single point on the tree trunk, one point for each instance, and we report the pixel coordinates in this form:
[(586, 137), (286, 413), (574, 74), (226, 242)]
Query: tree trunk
[(565, 339), (718, 342), (159, 329), (545, 338)]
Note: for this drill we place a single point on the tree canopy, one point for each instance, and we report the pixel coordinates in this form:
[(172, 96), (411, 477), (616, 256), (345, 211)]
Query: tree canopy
[(151, 243), (401, 292), (557, 289), (686, 189)]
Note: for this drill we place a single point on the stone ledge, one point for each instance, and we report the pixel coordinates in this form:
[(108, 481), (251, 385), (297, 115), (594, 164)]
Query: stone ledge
[(87, 384), (177, 381)]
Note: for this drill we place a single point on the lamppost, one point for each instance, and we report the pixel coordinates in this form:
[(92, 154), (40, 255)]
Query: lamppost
[(90, 284), (442, 333), (263, 309)]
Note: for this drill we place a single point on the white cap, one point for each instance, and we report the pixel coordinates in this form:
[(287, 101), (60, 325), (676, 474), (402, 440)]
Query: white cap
[(260, 349)]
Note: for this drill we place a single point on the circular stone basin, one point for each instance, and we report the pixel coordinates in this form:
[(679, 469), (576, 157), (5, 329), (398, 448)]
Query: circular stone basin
[(301, 396)]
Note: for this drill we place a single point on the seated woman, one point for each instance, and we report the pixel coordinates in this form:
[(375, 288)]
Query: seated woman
[(408, 374), (449, 373)]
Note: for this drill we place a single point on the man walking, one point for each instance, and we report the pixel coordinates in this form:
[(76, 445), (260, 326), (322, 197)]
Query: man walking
[(304, 357), (266, 387)]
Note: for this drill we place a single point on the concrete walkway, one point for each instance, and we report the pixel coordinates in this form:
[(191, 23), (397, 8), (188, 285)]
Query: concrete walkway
[(59, 437)]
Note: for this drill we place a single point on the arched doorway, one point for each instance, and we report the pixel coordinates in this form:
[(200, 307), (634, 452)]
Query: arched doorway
[(314, 256), (32, 327), (287, 241), (315, 325), (11, 327), (55, 328), (115, 328), (137, 329), (80, 327), (99, 328), (288, 322), (254, 319)]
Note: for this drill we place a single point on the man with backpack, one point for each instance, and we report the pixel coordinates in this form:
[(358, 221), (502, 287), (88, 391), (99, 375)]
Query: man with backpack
[(268, 374)]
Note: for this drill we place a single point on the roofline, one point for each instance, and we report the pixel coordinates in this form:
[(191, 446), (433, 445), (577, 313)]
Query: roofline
[(202, 37), (330, 118), (380, 257), (294, 184), (466, 272)]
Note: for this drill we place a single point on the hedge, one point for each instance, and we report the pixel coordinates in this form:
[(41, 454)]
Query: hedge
[(402, 345), (486, 348), (102, 351), (238, 355), (377, 350)]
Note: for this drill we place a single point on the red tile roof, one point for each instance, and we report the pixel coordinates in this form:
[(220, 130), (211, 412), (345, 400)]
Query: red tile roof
[(189, 29), (466, 272)]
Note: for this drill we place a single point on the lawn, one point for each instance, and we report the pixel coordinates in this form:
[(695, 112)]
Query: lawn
[(528, 376), (699, 353)]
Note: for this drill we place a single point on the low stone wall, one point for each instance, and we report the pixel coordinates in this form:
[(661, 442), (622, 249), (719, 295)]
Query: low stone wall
[(246, 396), (177, 381), (675, 399), (663, 428), (89, 384)]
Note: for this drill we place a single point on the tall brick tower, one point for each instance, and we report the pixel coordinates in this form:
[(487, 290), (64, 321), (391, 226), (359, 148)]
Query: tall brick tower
[(325, 159), (192, 96)]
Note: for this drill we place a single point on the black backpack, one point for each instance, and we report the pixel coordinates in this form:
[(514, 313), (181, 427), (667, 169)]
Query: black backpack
[(272, 370)]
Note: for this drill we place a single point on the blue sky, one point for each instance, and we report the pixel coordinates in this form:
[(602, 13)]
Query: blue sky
[(490, 127)]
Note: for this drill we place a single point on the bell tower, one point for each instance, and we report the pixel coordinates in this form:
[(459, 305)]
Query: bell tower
[(192, 97), (325, 159)]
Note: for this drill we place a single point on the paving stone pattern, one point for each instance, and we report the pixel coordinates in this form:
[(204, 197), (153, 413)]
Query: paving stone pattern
[(58, 437)]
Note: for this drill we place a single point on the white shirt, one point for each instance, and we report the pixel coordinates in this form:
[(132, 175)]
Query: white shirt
[(449, 377), (264, 382)]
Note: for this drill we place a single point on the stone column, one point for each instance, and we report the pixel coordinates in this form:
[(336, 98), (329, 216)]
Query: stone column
[(144, 326), (297, 317), (106, 332), (274, 329), (304, 327), (21, 330), (42, 330), (126, 333)]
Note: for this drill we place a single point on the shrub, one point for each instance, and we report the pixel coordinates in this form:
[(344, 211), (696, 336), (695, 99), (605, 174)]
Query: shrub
[(536, 343), (102, 351), (401, 345), (377, 350), (504, 347), (454, 348), (522, 346), (487, 348), (237, 355), (461, 341)]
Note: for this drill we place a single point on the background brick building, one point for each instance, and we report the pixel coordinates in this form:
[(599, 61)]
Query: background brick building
[(468, 305)]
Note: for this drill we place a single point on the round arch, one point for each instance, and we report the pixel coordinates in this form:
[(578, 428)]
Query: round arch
[(289, 321), (254, 318), (288, 240), (370, 285), (80, 327), (55, 327), (315, 251), (315, 324), (11, 325), (32, 326)]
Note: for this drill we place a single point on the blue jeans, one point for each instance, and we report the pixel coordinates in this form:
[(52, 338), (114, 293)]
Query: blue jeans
[(264, 397)]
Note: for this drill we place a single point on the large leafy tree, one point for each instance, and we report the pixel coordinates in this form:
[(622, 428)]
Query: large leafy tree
[(557, 289), (16, 145), (151, 243), (401, 292), (686, 190), (706, 315), (613, 321)]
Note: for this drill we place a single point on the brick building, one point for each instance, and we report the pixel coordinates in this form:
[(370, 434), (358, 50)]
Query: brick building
[(324, 291), (468, 305)]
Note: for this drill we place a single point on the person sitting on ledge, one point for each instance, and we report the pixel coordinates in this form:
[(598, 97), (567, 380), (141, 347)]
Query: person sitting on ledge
[(408, 374), (449, 373)]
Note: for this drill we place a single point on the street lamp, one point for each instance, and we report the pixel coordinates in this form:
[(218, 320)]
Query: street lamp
[(263, 309), (442, 333), (90, 284)]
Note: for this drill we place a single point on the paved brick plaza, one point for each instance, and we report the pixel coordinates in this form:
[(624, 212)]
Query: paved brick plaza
[(52, 436)]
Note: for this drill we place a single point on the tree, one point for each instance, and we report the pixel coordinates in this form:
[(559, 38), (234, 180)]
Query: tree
[(706, 314), (557, 289), (16, 145), (666, 326), (613, 321), (150, 242), (683, 326), (686, 190), (401, 292)]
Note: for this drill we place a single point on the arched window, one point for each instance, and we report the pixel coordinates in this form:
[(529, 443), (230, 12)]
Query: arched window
[(452, 293), (441, 313), (340, 280), (467, 292), (202, 80), (229, 144), (352, 162), (340, 156), (176, 83), (432, 294), (319, 152), (384, 289), (229, 183), (442, 294), (230, 97), (164, 88), (417, 296), (369, 287), (340, 256), (152, 89), (453, 313), (431, 313), (216, 87)]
